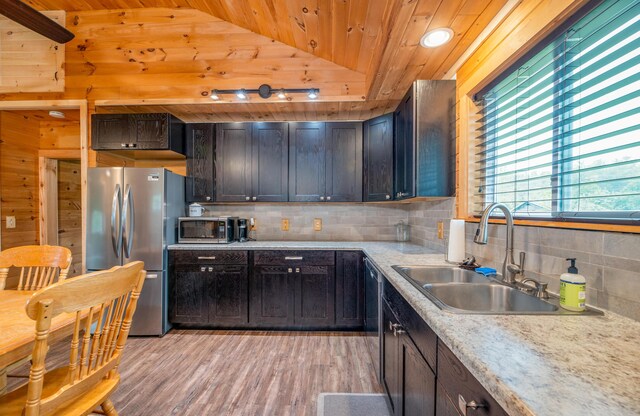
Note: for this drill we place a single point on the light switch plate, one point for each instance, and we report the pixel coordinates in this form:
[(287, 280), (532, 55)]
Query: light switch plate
[(284, 224), (11, 222), (440, 230), (317, 224)]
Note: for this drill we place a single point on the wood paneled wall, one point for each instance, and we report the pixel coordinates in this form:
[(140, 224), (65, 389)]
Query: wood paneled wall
[(63, 134), (19, 177), (70, 211)]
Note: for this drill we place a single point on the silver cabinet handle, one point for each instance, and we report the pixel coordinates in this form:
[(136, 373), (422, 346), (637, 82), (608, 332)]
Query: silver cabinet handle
[(293, 258), (203, 269), (328, 198), (297, 269), (387, 197), (463, 405), (321, 198), (116, 235), (208, 198), (123, 145), (254, 198), (206, 257), (210, 269), (290, 270), (247, 198)]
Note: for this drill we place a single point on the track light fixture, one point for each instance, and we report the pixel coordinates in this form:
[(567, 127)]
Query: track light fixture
[(265, 91)]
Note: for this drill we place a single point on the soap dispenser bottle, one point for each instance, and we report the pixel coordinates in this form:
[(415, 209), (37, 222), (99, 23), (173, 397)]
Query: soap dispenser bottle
[(573, 289)]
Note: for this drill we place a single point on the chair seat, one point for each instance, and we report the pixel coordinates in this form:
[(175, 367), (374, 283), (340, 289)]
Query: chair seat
[(13, 402)]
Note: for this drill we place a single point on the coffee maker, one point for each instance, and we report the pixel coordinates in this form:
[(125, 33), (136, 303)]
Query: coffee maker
[(242, 230)]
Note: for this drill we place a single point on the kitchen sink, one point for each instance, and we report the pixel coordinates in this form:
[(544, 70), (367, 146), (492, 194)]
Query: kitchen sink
[(464, 291)]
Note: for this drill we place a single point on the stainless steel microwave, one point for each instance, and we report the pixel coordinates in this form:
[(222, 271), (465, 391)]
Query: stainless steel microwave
[(206, 230)]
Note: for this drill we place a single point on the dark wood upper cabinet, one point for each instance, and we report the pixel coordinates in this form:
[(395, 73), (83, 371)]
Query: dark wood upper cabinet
[(349, 289), (200, 180), (343, 170), (233, 162), (154, 131), (252, 162), (378, 158), (424, 140), (307, 152), (270, 162), (325, 162)]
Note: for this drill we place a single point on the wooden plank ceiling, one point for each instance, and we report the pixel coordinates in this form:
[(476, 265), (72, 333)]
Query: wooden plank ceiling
[(363, 53)]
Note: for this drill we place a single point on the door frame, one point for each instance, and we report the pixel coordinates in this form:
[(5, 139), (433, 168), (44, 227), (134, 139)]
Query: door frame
[(80, 105)]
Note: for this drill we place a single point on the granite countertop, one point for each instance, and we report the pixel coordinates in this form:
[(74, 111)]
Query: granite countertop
[(532, 365)]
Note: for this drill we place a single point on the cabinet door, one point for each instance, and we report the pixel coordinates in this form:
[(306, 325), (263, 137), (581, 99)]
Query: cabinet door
[(109, 131), (404, 149), (390, 354), (314, 296), (270, 162), (378, 158), (149, 131), (271, 296), (307, 162), (200, 153), (343, 162), (229, 296), (233, 162), (349, 289), (418, 381), (444, 404), (189, 302)]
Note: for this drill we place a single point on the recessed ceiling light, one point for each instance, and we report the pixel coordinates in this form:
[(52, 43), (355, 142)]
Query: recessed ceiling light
[(214, 95), (436, 37), (241, 94), (313, 94), (56, 114)]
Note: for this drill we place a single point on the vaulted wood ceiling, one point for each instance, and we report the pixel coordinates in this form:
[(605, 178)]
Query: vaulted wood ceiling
[(354, 51)]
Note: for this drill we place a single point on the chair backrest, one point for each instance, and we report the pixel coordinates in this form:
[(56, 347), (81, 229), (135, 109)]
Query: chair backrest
[(39, 265), (103, 303)]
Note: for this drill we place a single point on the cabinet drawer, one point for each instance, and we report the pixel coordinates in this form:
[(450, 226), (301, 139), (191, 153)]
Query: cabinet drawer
[(294, 257), (422, 335), (458, 383), (209, 257)]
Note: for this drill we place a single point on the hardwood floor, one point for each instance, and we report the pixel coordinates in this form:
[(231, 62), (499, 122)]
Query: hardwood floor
[(202, 372)]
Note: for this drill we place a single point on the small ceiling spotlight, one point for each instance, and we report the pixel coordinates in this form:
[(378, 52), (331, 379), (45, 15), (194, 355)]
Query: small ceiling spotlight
[(436, 37), (56, 114), (265, 91)]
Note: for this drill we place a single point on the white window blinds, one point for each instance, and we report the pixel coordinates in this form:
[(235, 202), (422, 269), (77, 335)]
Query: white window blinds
[(559, 135)]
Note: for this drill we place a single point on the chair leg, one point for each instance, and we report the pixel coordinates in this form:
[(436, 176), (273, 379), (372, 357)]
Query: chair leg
[(108, 408)]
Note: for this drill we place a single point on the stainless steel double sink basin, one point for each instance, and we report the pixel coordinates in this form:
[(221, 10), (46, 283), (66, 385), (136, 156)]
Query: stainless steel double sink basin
[(465, 291)]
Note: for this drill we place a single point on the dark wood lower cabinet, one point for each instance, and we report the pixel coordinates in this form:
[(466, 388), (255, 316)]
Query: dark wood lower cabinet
[(314, 296), (271, 296), (229, 295), (444, 405), (188, 303), (349, 289), (390, 354)]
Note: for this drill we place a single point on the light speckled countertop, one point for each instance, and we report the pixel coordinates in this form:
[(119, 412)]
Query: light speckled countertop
[(532, 365)]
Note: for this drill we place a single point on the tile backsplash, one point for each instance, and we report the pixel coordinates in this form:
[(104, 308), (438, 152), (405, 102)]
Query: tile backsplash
[(347, 222), (609, 261)]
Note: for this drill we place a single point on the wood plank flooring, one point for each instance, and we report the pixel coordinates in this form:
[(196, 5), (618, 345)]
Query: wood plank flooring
[(202, 372)]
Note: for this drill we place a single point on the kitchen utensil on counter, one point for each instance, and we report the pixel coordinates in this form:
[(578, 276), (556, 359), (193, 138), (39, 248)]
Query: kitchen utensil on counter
[(196, 210)]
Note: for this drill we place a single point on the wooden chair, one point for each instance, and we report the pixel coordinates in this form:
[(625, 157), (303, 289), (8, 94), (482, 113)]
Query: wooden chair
[(39, 265), (106, 299)]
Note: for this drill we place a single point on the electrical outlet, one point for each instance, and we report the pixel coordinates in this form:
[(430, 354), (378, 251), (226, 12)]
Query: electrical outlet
[(440, 230), (317, 224), (11, 222), (284, 224), (253, 224)]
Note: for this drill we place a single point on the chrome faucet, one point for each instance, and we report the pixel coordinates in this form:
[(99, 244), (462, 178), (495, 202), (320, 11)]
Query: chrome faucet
[(509, 267)]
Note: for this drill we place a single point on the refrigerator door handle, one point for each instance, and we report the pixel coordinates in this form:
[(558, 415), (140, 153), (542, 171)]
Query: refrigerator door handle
[(128, 216), (116, 207)]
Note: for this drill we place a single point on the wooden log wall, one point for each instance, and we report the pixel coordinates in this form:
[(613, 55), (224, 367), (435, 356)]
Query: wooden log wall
[(70, 211)]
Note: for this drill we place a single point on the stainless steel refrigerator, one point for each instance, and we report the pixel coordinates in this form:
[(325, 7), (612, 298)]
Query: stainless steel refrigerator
[(132, 215)]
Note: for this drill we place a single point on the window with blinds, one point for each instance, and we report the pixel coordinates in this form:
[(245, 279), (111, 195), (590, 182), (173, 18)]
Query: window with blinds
[(559, 135)]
